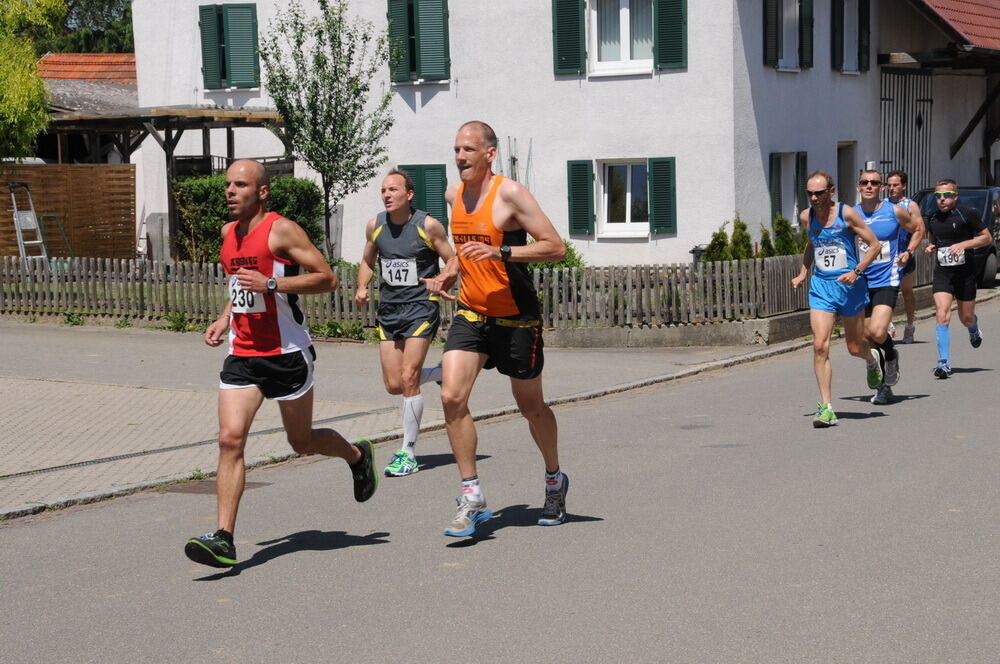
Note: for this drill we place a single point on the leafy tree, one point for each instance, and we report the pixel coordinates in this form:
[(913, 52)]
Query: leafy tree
[(766, 247), (92, 26), (319, 71), (741, 245), (24, 111), (718, 248)]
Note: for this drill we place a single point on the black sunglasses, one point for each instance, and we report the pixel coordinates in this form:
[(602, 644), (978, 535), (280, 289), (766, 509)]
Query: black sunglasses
[(874, 183), (817, 193)]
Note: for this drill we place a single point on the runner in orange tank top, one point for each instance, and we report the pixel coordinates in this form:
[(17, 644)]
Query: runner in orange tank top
[(497, 323)]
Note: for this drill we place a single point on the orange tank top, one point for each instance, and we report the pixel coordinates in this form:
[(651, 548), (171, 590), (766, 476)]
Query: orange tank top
[(489, 287)]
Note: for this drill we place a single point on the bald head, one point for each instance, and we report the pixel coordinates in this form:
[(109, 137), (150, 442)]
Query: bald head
[(485, 131), (251, 170)]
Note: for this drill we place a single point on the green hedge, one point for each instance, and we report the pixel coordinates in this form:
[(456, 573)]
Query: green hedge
[(201, 212)]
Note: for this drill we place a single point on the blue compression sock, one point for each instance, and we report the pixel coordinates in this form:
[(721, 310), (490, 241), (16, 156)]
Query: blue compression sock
[(943, 342), (975, 326)]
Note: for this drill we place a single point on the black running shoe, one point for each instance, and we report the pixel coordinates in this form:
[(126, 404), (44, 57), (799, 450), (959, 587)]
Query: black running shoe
[(554, 511), (365, 477), (212, 549)]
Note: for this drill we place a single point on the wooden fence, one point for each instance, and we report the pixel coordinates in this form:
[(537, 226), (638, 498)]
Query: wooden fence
[(571, 297), (84, 209)]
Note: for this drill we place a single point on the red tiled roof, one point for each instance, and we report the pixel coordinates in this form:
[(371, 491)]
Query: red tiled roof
[(976, 20), (88, 66)]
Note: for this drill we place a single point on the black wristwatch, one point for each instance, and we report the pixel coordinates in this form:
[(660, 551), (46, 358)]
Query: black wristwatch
[(504, 253), (859, 272), (272, 285)]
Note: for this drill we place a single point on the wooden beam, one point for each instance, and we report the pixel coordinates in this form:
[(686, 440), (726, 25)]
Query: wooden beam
[(976, 117)]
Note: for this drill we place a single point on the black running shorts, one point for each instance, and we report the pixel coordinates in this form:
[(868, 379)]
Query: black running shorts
[(911, 266), (408, 320), (512, 345), (960, 282), (885, 295), (282, 377)]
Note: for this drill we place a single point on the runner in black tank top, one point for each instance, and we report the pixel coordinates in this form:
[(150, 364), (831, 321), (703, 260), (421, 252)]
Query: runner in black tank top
[(404, 246)]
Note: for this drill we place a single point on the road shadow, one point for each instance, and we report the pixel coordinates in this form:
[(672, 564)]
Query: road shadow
[(896, 398), (966, 370), (306, 540), (429, 461), (859, 416), (515, 516)]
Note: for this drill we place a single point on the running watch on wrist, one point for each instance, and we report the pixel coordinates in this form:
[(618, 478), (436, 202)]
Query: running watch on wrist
[(504, 253), (858, 271), (272, 285)]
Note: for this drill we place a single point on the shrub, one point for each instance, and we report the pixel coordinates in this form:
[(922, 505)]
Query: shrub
[(718, 248), (787, 240), (741, 246), (201, 212), (766, 247), (572, 259)]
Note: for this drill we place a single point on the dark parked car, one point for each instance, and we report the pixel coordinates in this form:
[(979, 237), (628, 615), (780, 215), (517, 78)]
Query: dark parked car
[(985, 201)]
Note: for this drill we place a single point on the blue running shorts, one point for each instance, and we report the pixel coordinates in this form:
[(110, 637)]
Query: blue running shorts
[(838, 298)]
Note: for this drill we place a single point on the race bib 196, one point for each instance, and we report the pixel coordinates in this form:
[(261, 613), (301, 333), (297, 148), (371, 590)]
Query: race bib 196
[(948, 259), (244, 301), (883, 254), (829, 258), (399, 271)]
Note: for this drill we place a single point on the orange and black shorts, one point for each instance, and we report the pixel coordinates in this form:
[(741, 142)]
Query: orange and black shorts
[(512, 344)]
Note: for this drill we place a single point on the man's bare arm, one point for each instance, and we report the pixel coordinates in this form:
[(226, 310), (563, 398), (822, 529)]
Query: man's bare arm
[(289, 241)]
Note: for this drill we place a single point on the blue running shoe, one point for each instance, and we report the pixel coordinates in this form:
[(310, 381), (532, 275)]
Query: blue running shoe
[(470, 514)]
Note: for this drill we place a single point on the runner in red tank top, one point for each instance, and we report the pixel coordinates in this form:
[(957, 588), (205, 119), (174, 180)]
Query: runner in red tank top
[(497, 322), (270, 354)]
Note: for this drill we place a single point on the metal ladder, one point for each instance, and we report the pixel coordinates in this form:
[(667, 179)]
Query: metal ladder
[(26, 226)]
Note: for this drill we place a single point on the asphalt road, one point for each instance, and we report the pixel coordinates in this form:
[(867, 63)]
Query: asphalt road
[(710, 523)]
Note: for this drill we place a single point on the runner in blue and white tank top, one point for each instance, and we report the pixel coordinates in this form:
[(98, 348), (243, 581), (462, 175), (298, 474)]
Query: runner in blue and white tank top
[(895, 187), (886, 221), (836, 286)]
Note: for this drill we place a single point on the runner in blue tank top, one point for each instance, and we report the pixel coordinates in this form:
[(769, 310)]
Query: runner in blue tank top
[(896, 183), (888, 222), (837, 285)]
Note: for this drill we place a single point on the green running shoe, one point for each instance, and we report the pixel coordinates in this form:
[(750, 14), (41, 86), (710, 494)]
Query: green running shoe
[(212, 549), (401, 464), (824, 417), (875, 373), (365, 477)]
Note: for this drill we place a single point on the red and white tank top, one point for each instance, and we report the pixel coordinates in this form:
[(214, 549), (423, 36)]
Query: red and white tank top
[(261, 324)]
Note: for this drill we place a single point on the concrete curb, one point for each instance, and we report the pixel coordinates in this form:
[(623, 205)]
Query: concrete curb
[(778, 349)]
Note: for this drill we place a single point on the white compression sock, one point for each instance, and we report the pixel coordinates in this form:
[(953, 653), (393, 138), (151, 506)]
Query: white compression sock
[(413, 411)]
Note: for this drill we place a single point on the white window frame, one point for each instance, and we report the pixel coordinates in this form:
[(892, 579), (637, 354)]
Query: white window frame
[(852, 31), (618, 67), (605, 229), (788, 27)]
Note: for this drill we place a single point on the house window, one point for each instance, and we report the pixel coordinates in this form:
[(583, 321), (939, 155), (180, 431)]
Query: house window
[(430, 183), (787, 174), (418, 40), (850, 35), (625, 200), (635, 197), (229, 46), (788, 34), (624, 36)]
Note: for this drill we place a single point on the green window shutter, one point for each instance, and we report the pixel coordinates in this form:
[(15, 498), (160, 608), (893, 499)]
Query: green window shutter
[(670, 33), (662, 173), (430, 183), (774, 183), (805, 34), (771, 33), (864, 34), (801, 176), (399, 41), (433, 62), (568, 51), (208, 23), (837, 34), (580, 189), (240, 27)]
